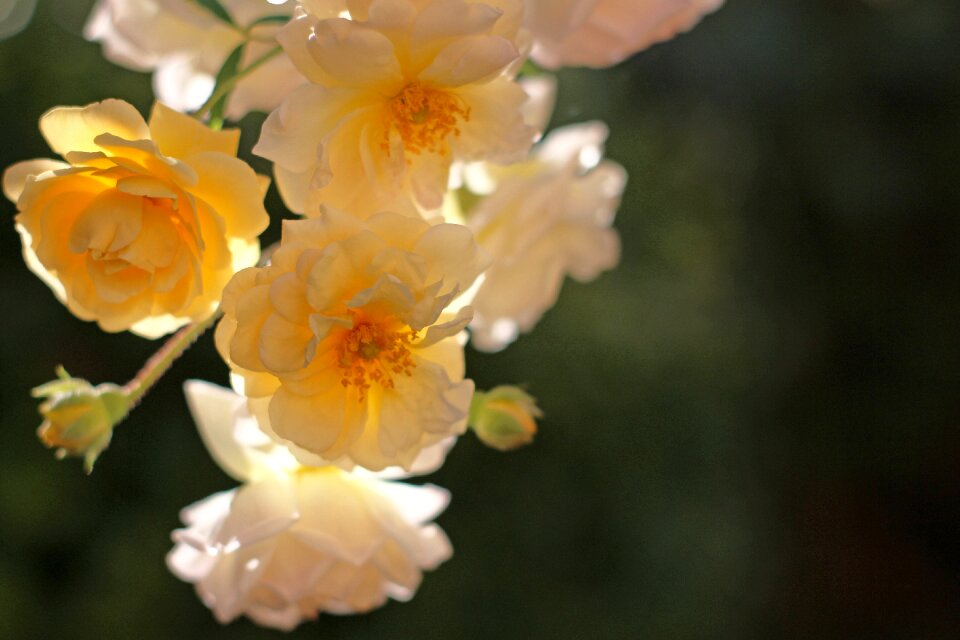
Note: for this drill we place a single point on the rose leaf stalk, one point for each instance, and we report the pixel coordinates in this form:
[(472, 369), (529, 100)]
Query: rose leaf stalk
[(226, 82), (161, 361), (78, 418), (217, 9)]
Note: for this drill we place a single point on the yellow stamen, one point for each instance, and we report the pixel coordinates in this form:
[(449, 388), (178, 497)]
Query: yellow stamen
[(425, 117), (371, 353)]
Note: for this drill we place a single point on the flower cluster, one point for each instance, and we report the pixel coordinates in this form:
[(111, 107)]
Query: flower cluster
[(428, 209)]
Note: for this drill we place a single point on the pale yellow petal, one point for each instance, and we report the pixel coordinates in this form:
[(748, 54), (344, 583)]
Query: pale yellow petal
[(214, 409), (315, 422), (284, 344), (231, 188), (109, 223), (350, 55), (15, 177), (470, 60), (453, 256), (74, 128), (445, 21), (178, 135)]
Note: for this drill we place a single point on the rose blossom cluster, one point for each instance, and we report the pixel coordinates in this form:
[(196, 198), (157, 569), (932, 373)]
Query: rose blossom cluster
[(430, 206)]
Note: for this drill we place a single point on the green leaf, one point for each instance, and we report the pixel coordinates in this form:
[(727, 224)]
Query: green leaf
[(269, 20), (214, 7), (229, 69), (529, 69)]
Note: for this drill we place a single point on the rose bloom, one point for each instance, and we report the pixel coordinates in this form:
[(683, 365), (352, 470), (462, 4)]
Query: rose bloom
[(396, 94), (601, 33), (185, 45), (295, 541), (342, 341), (544, 219), (144, 224)]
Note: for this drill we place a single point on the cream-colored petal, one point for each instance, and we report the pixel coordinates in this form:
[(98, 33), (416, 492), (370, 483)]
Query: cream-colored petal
[(470, 60), (415, 504), (288, 296), (349, 55), (284, 345), (330, 279), (252, 311), (154, 327), (324, 8), (388, 293), (428, 402), (112, 221), (316, 422), (428, 177), (615, 30), (214, 409), (405, 267), (157, 244), (444, 21), (74, 128), (258, 511), (453, 256), (140, 185), (339, 522), (15, 177), (178, 135), (582, 142), (541, 96), (50, 226), (292, 134), (496, 131), (450, 327), (294, 38), (240, 205)]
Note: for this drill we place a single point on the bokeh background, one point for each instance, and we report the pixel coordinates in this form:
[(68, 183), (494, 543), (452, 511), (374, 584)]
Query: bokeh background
[(751, 426)]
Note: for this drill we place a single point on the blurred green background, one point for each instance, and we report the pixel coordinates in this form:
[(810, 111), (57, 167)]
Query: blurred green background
[(752, 425)]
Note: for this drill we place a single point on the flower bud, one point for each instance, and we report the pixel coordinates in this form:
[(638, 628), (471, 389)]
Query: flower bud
[(78, 418), (503, 418)]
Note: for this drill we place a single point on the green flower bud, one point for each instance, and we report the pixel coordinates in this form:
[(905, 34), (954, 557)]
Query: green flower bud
[(503, 418), (78, 418)]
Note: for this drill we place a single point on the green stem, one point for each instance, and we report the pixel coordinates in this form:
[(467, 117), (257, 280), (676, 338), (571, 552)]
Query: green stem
[(160, 362), (227, 86)]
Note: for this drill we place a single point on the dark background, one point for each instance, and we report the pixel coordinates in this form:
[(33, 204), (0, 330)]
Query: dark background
[(752, 425)]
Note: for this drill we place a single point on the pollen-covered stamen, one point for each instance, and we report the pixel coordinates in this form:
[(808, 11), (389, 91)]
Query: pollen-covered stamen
[(425, 117), (370, 353)]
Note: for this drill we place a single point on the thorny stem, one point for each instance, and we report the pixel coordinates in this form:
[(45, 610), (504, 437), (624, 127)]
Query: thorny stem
[(227, 86), (160, 362)]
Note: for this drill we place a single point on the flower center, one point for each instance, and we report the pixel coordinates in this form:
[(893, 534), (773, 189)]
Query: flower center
[(425, 117), (370, 353)]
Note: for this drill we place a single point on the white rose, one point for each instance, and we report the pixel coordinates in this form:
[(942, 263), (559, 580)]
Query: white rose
[(544, 219), (186, 45), (296, 541), (601, 33)]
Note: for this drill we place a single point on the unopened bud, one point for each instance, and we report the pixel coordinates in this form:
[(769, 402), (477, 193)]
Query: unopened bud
[(504, 417), (78, 418)]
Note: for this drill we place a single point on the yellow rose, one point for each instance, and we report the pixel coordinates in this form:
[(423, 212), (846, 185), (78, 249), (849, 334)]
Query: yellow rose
[(143, 225), (397, 94), (346, 344)]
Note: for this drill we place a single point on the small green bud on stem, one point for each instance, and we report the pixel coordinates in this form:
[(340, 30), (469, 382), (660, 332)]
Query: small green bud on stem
[(504, 417), (78, 418)]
